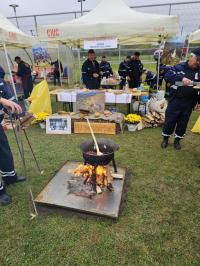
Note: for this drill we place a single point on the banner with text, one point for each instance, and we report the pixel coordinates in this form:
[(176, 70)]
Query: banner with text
[(100, 43)]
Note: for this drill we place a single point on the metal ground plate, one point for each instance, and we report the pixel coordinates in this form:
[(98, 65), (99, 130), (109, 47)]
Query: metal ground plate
[(56, 193)]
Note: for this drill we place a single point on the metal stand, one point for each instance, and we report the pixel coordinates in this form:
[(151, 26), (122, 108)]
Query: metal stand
[(114, 165), (21, 151)]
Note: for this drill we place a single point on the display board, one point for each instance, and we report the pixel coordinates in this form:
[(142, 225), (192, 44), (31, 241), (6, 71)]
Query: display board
[(92, 101), (41, 55)]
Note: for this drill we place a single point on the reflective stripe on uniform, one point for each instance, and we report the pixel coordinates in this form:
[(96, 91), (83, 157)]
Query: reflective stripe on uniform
[(1, 186), (4, 174), (181, 72), (174, 87), (165, 135), (177, 136), (12, 98)]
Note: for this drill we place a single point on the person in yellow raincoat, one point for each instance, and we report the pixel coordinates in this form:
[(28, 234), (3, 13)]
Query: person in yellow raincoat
[(40, 99)]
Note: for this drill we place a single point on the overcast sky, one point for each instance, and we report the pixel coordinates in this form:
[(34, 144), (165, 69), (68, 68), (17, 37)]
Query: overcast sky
[(29, 7), (189, 14)]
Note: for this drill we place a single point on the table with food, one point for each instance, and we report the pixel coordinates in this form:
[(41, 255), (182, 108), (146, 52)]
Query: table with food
[(111, 96)]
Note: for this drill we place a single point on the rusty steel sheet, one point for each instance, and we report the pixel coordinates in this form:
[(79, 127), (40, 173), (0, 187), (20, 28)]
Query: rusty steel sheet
[(56, 193)]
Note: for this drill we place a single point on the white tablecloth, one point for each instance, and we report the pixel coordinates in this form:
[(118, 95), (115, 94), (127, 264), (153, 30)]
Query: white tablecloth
[(109, 97)]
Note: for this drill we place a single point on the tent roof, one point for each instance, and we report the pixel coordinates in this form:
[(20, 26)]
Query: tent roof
[(12, 36), (194, 37), (112, 18)]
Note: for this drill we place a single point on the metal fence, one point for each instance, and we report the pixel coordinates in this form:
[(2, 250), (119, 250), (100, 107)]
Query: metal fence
[(189, 13)]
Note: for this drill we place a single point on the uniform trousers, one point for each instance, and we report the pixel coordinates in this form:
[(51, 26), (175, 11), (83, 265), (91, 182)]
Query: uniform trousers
[(177, 116), (6, 161)]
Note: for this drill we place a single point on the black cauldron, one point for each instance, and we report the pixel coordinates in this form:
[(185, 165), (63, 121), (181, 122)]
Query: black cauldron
[(106, 146)]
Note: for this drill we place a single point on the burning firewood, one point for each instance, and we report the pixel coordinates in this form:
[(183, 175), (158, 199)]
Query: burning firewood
[(99, 175)]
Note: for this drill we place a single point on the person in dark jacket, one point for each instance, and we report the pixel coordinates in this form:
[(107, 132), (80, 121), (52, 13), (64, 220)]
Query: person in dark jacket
[(91, 72), (58, 69), (151, 78), (123, 71), (105, 68), (7, 171), (24, 72), (2, 72), (135, 71), (182, 99)]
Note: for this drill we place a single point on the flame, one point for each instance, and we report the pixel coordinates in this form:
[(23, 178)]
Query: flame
[(102, 174)]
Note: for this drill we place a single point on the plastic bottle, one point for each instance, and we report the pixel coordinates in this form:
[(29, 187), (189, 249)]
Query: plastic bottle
[(126, 85)]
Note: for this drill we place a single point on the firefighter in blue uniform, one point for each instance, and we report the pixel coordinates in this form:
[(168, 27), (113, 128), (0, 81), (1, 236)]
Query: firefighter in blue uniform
[(151, 78), (182, 99), (105, 68), (24, 72), (7, 172), (2, 72), (91, 72), (135, 71), (124, 71)]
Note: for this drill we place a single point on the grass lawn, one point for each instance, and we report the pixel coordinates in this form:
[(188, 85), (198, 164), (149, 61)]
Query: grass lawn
[(159, 224)]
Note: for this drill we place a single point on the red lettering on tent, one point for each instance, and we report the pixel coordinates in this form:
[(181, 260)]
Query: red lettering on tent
[(52, 33), (12, 35), (159, 29)]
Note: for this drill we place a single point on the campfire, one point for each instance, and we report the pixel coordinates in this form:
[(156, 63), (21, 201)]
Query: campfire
[(95, 175), (98, 177)]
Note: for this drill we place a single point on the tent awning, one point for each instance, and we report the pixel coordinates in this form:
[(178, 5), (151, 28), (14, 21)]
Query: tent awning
[(12, 36), (112, 18), (194, 37)]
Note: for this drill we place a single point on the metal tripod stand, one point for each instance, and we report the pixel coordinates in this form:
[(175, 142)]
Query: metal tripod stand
[(18, 137)]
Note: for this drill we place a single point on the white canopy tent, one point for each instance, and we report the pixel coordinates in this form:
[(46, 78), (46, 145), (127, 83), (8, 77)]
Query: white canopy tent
[(11, 36), (194, 37), (112, 18)]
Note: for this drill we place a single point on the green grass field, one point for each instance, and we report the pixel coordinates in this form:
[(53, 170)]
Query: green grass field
[(159, 223)]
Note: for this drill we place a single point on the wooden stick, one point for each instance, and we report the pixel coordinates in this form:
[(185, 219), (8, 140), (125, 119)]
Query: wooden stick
[(94, 138)]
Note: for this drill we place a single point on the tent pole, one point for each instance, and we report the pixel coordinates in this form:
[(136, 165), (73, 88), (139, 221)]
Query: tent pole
[(10, 60), (79, 63), (187, 52), (67, 65), (9, 69), (119, 48), (59, 65), (28, 56), (158, 71), (158, 68)]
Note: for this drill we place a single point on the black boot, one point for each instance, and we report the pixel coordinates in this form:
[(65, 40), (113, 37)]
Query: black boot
[(5, 199), (177, 144), (164, 143), (18, 179)]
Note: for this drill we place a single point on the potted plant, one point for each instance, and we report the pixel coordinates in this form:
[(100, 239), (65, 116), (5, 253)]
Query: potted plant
[(41, 118), (132, 121)]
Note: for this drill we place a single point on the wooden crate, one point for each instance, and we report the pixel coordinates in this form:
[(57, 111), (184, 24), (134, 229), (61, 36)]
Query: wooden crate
[(98, 128)]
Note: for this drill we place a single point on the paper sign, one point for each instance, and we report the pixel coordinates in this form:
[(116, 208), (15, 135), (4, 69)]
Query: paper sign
[(100, 43)]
